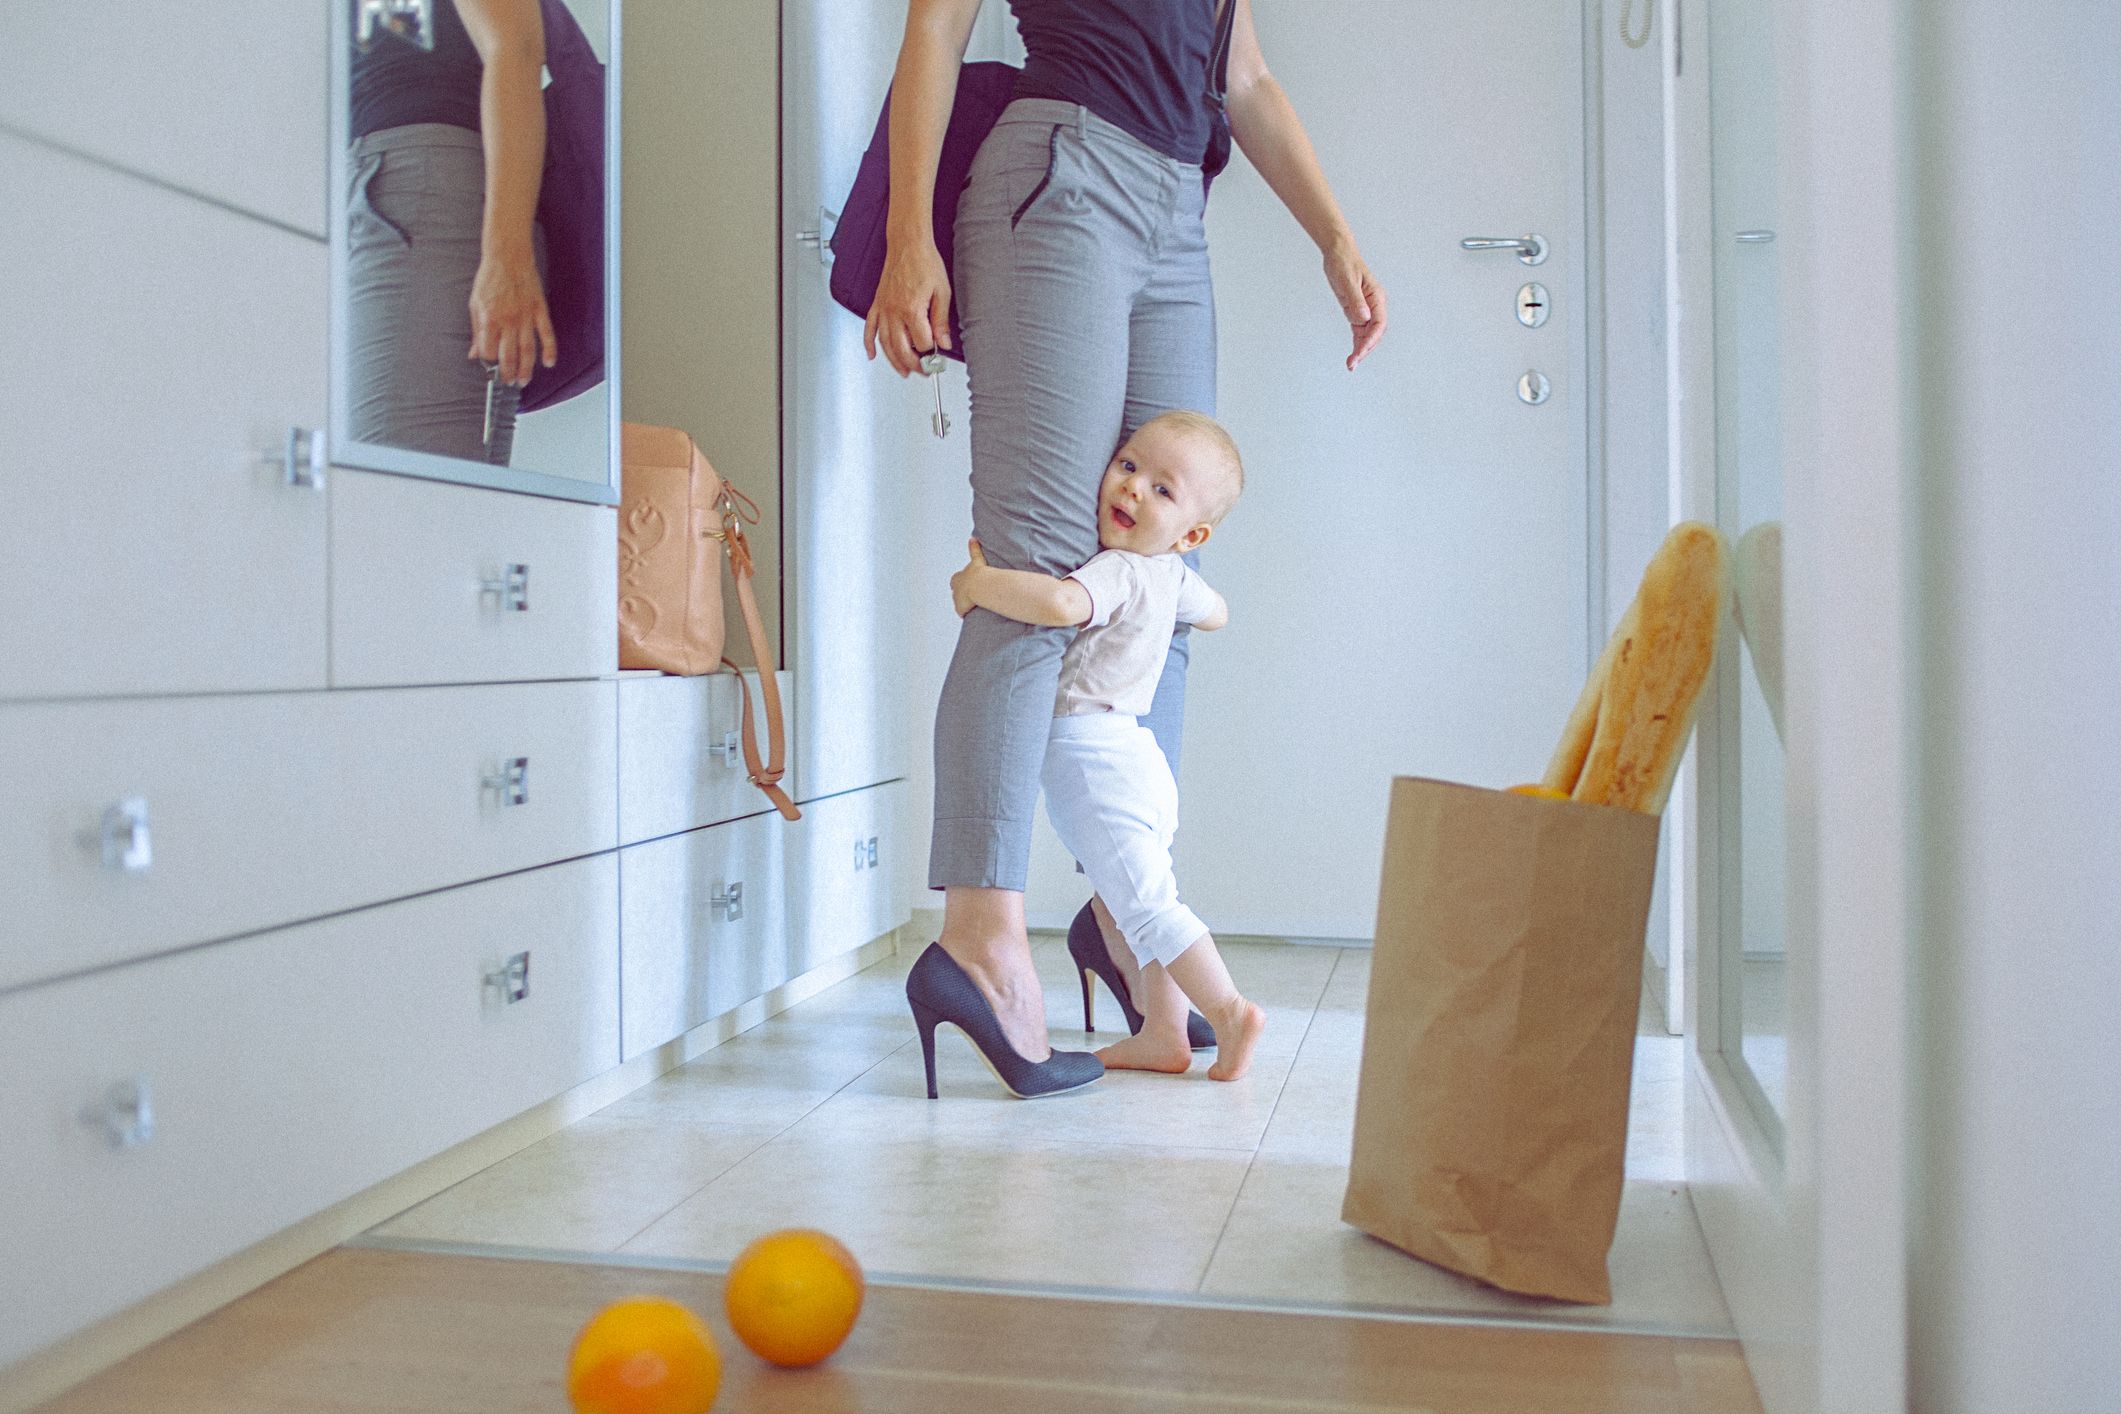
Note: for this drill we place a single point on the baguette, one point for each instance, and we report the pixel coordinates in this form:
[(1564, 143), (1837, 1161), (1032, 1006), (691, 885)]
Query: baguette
[(1567, 765), (1654, 671)]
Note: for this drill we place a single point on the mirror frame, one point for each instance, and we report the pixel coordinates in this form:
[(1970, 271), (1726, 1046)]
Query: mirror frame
[(400, 461)]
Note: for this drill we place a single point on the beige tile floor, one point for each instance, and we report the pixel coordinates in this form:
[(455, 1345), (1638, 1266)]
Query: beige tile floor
[(1140, 1184)]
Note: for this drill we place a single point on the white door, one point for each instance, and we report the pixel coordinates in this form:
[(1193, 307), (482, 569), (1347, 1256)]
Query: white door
[(851, 457), (1407, 571)]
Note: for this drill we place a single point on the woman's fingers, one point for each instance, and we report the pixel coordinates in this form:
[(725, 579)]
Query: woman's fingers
[(548, 341), (939, 316), (869, 333)]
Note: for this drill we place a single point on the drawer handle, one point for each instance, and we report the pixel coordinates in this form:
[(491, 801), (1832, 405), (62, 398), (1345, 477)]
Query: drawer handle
[(303, 458), (123, 837), (731, 903), (511, 979), (511, 783), (509, 589), (730, 750), (125, 1114)]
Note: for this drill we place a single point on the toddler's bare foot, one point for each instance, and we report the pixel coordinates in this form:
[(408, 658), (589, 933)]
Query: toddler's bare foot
[(1237, 1031), (1168, 1054)]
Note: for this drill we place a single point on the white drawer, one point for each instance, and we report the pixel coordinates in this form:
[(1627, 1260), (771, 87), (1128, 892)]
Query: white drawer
[(229, 102), (418, 594), (684, 961), (838, 898), (287, 1072), (264, 810), (673, 773), (156, 352)]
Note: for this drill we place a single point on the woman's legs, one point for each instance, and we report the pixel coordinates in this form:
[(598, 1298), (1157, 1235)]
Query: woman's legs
[(1051, 251)]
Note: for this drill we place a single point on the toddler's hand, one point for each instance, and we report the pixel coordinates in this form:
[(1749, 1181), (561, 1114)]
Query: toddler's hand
[(961, 582)]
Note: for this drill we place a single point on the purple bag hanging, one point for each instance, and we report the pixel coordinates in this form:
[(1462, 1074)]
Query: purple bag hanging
[(571, 212), (983, 91)]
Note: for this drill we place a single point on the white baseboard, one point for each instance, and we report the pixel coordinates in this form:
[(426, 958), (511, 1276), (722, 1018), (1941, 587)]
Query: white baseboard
[(57, 1368)]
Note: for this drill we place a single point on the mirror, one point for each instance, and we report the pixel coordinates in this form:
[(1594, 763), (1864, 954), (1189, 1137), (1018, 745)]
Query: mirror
[(474, 255), (1743, 188)]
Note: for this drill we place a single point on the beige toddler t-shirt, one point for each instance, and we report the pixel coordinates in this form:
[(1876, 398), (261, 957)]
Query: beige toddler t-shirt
[(1136, 602)]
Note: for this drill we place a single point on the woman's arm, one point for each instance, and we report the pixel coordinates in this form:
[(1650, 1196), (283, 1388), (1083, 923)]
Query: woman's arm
[(911, 313), (1023, 595), (510, 325), (1265, 125)]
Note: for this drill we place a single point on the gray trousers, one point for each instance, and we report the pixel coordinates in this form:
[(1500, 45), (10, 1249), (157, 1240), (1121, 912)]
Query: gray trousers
[(416, 198), (1082, 284)]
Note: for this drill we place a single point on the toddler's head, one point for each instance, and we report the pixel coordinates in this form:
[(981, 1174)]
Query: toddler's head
[(1169, 485)]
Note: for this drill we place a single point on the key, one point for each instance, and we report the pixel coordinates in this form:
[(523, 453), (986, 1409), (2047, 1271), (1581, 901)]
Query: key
[(493, 381), (933, 364)]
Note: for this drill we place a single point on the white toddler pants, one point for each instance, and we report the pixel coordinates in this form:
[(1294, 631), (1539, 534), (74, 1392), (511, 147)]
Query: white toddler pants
[(1114, 804)]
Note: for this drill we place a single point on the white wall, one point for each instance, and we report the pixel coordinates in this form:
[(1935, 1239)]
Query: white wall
[(2017, 1207)]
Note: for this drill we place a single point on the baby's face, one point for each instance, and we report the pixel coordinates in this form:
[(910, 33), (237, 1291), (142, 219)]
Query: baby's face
[(1155, 495)]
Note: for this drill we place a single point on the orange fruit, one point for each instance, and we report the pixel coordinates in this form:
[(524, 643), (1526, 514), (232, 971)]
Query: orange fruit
[(793, 1295), (1540, 792), (644, 1355)]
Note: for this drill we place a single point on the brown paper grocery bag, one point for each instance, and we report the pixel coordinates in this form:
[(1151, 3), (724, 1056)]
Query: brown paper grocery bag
[(1491, 1122)]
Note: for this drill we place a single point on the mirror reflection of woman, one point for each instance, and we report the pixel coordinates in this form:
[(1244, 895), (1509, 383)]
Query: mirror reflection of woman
[(446, 305)]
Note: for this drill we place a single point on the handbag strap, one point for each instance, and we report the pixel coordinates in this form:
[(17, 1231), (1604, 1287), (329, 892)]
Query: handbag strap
[(1219, 52), (765, 772)]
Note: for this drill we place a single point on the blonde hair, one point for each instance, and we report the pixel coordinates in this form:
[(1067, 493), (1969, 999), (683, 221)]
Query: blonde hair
[(1207, 429)]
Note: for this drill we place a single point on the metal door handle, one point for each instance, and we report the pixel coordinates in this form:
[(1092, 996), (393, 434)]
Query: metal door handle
[(511, 783), (820, 240), (125, 1114), (510, 588), (123, 837), (303, 459), (1531, 249)]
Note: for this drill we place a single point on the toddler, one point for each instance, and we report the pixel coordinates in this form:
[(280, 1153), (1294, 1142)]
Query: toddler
[(1109, 791)]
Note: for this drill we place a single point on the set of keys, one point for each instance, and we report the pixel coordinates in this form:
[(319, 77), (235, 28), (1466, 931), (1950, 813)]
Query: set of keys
[(933, 364)]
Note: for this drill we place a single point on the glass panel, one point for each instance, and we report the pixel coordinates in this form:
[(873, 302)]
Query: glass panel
[(1749, 509), (471, 325)]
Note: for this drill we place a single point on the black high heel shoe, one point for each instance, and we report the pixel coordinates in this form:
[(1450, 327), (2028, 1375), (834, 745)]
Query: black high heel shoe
[(1086, 944), (939, 990)]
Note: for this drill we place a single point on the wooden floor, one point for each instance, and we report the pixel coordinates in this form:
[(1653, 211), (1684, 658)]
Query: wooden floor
[(363, 1330)]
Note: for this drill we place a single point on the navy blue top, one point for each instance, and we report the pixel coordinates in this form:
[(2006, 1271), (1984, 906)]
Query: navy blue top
[(1141, 65), (396, 83)]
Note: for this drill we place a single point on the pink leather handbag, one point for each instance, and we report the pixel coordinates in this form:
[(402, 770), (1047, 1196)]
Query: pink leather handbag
[(677, 519)]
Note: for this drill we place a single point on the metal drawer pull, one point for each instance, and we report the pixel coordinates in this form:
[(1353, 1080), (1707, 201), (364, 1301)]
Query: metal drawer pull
[(123, 838), (1531, 249), (730, 749), (125, 1114), (731, 903), (511, 979), (510, 784), (1754, 237), (303, 459), (509, 589)]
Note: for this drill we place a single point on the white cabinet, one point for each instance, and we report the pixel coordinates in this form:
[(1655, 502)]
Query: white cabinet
[(284, 1073), (680, 762), (846, 873), (433, 583), (157, 351), (857, 440), (703, 928), (224, 101), (247, 812)]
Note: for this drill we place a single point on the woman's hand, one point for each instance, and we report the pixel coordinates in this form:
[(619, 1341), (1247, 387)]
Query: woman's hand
[(1361, 298), (510, 325), (911, 313), (961, 582)]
